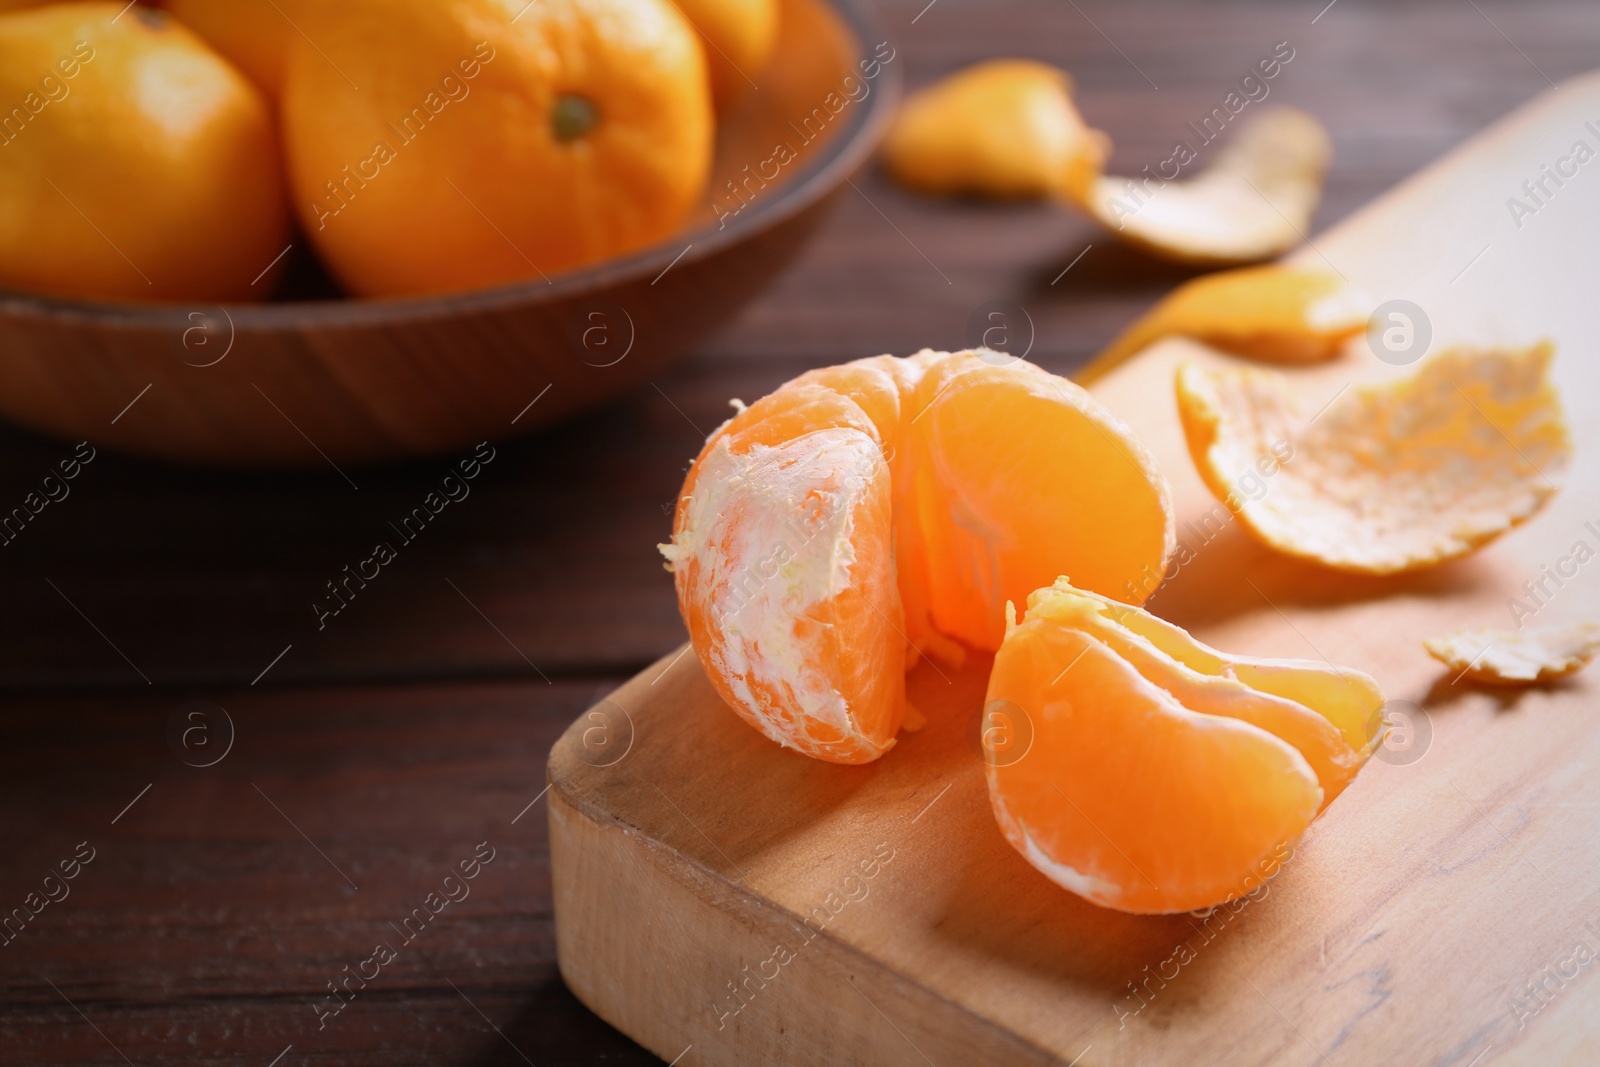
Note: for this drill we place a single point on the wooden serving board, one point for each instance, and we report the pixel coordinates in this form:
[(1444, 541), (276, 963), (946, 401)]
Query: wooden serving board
[(725, 902)]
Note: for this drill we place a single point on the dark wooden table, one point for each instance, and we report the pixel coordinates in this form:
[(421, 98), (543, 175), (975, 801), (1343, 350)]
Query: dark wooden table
[(365, 760)]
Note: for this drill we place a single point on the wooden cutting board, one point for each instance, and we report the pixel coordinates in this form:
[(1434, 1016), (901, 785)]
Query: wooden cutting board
[(725, 902)]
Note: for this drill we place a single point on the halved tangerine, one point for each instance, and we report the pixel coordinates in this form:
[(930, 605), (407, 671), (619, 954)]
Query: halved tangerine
[(865, 514), (1164, 775)]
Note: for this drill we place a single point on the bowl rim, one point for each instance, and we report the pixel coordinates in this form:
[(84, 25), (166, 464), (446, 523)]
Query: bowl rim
[(842, 155)]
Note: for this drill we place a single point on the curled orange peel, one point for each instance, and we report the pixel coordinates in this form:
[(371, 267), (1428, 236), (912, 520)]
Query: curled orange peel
[(1387, 477), (1275, 313), (1517, 657), (1254, 201), (1009, 129)]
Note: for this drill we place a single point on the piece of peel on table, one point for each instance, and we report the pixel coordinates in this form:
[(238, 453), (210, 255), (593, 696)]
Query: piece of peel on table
[(1254, 202), (1009, 128), (865, 514), (1163, 775), (1386, 477), (1004, 129), (1517, 657), (1275, 313)]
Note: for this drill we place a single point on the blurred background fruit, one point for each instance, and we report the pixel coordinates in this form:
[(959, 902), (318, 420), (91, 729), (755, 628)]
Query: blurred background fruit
[(374, 380), (139, 163), (1006, 128), (438, 147), (740, 36), (253, 34)]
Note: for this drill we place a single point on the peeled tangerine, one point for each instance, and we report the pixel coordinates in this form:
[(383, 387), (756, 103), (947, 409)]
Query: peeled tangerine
[(1276, 313), (867, 513), (1163, 775), (1517, 657), (1392, 476)]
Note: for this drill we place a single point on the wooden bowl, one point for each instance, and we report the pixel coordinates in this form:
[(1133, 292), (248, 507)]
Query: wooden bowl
[(350, 381)]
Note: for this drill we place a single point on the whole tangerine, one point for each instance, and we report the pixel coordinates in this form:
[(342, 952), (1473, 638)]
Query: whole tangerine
[(436, 147), (135, 162), (253, 34)]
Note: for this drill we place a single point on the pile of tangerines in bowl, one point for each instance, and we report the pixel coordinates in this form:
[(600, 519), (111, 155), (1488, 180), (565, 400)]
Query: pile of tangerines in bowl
[(166, 153)]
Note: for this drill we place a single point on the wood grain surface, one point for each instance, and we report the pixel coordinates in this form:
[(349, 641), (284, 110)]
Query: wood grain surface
[(414, 725)]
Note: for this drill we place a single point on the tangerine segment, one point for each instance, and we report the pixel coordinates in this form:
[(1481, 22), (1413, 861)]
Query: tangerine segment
[(1275, 313), (1344, 698), (783, 556), (1254, 202), (1324, 712), (1388, 477), (1006, 128), (862, 515), (1150, 786), (1517, 657), (1014, 476)]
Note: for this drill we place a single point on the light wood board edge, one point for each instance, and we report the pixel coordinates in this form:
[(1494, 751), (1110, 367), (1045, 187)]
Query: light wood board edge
[(642, 930)]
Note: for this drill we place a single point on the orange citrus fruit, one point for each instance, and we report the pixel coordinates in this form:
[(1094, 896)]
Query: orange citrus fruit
[(739, 37), (436, 146), (18, 5), (137, 162), (1161, 775), (865, 513), (254, 34)]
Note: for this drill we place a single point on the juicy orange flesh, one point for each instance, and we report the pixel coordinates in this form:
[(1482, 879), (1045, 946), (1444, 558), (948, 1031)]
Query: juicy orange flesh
[(1126, 797), (1012, 487), (1184, 772), (1333, 761), (1345, 699), (945, 524)]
